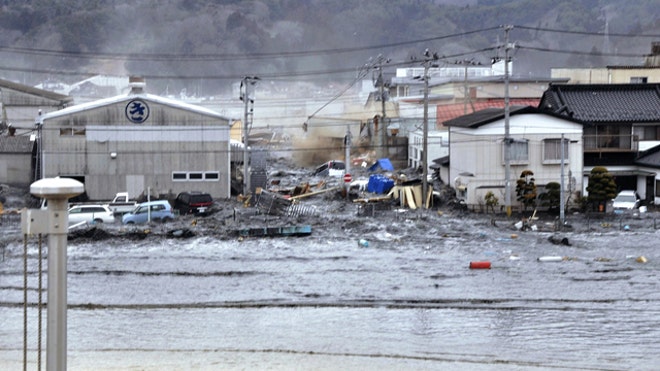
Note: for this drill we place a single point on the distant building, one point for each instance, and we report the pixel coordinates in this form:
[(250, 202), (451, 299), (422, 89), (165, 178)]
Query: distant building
[(647, 73), (609, 75), (139, 143), (16, 160), (21, 104)]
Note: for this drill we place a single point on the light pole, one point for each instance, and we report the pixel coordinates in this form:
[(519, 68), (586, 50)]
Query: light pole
[(57, 191), (245, 97)]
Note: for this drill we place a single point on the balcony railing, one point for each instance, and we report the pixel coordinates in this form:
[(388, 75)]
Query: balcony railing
[(611, 143)]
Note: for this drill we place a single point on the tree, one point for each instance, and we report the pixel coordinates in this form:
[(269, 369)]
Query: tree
[(601, 187), (551, 198), (491, 201), (526, 189)]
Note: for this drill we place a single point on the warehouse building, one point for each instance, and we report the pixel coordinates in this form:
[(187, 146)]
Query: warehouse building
[(139, 143)]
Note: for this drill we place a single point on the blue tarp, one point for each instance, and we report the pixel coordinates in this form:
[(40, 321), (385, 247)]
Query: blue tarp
[(379, 184), (382, 164)]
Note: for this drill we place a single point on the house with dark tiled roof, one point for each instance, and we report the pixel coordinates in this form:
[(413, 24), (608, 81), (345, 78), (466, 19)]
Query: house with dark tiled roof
[(477, 162), (621, 122)]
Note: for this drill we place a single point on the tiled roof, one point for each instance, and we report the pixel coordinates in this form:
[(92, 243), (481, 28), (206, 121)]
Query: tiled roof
[(488, 115), (446, 112), (604, 103), (15, 144)]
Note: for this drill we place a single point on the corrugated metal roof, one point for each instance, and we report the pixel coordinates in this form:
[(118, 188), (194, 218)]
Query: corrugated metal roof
[(35, 91), (600, 103), (125, 98), (16, 144)]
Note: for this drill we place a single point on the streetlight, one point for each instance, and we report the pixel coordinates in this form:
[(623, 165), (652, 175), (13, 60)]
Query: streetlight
[(57, 192), (245, 83)]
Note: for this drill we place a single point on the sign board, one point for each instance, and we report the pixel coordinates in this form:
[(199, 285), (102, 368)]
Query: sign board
[(348, 178)]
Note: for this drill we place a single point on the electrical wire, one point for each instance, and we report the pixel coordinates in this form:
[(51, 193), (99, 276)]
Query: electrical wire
[(586, 33), (223, 57), (579, 52)]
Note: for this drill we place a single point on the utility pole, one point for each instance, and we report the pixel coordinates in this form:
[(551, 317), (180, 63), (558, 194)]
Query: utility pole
[(507, 139), (381, 135), (347, 171), (465, 90), (561, 192), (428, 61), (466, 63), (245, 97)]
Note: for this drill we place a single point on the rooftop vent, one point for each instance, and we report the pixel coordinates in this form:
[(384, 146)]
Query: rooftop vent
[(136, 84)]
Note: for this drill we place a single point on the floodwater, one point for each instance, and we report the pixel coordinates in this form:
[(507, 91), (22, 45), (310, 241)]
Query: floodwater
[(408, 301)]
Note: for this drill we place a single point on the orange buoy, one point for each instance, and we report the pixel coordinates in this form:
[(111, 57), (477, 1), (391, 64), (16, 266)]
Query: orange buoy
[(480, 265)]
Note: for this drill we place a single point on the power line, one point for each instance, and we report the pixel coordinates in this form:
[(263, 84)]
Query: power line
[(586, 33), (224, 57), (271, 76), (592, 53)]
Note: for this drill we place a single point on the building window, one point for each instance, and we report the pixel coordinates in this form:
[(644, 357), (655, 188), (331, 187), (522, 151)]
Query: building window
[(195, 176), (212, 176), (639, 80), (69, 132), (179, 176), (552, 151), (519, 152), (647, 132)]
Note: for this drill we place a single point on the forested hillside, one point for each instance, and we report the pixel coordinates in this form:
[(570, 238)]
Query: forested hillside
[(175, 41)]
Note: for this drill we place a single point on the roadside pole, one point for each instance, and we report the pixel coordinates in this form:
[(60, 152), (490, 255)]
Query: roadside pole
[(347, 172), (57, 191)]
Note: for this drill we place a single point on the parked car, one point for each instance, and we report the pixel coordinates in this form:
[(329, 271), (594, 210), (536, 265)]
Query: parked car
[(159, 211), (331, 168), (90, 214), (626, 200), (196, 203)]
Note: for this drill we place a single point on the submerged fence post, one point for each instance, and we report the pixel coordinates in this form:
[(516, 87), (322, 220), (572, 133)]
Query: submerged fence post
[(57, 191)]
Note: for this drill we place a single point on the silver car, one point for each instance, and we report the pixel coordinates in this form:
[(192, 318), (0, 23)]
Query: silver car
[(90, 214), (626, 200)]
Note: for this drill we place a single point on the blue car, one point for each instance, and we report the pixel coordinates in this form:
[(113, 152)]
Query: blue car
[(158, 211)]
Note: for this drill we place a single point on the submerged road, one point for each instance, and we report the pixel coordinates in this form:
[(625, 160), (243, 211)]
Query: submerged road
[(405, 300)]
